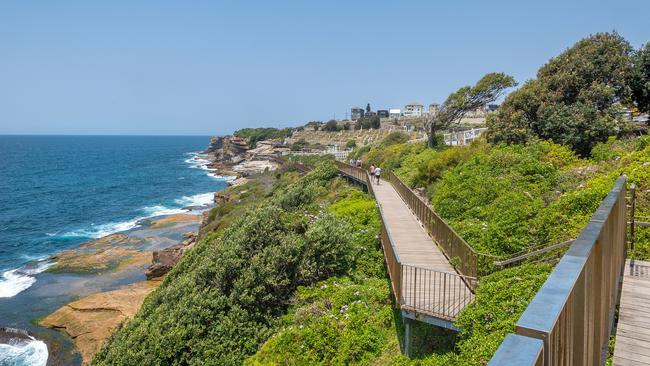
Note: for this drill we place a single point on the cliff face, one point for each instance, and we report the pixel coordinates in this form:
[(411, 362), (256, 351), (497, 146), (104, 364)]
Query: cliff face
[(234, 156), (228, 149)]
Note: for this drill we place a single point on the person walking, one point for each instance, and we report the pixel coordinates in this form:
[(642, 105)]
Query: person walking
[(377, 174), (359, 164), (372, 170), (352, 162)]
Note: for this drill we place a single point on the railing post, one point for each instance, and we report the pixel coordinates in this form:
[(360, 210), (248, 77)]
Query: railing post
[(632, 199)]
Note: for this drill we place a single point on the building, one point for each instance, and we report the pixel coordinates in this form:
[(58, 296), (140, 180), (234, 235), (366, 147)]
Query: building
[(394, 113), (356, 113), (413, 109), (434, 108), (383, 113), (370, 114), (477, 113)]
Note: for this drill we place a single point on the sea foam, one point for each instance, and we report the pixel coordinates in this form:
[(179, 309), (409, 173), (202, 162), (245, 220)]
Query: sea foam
[(200, 161), (24, 353), (18, 280)]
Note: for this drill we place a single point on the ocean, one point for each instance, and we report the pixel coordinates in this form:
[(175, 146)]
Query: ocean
[(57, 192)]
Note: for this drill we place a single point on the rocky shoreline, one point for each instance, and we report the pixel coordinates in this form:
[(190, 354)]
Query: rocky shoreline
[(103, 282), (90, 319), (151, 251), (233, 156)]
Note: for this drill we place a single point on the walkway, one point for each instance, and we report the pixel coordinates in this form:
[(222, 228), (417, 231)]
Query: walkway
[(633, 329), (425, 286)]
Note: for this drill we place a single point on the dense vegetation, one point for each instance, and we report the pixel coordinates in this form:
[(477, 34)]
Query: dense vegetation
[(225, 297), (343, 321), (253, 135), (578, 96), (504, 199)]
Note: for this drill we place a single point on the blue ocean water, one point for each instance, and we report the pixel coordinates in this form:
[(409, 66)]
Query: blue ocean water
[(59, 191)]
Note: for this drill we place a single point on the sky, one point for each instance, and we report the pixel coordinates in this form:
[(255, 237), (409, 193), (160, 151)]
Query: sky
[(211, 67)]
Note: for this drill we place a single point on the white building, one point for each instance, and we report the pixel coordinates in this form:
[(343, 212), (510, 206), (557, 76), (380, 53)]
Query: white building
[(433, 108), (394, 113), (413, 109)]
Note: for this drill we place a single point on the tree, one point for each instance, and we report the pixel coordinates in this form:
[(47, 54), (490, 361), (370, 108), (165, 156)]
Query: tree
[(367, 123), (375, 122), (640, 80), (576, 99), (351, 144), (331, 126), (347, 126), (466, 99)]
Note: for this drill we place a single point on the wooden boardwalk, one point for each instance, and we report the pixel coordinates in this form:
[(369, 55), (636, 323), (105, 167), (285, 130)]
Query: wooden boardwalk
[(633, 329), (430, 285)]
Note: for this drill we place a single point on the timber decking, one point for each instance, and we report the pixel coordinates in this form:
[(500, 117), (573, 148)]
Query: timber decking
[(633, 329), (425, 288)]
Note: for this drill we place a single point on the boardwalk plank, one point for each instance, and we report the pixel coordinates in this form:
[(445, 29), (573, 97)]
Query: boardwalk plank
[(633, 329), (416, 248)]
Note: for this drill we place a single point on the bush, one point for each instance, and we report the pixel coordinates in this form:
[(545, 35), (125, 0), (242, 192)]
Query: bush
[(253, 135), (225, 296), (331, 126), (395, 138)]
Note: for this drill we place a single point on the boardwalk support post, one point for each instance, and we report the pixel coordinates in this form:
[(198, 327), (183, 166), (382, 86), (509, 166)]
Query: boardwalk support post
[(408, 333)]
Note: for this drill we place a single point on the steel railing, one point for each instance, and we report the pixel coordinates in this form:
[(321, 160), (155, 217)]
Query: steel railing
[(433, 292), (573, 312), (417, 289), (460, 254)]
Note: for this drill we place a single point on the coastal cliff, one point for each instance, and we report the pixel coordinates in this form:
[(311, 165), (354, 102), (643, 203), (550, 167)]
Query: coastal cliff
[(235, 156)]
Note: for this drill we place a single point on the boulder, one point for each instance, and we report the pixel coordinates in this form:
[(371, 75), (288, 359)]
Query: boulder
[(164, 260)]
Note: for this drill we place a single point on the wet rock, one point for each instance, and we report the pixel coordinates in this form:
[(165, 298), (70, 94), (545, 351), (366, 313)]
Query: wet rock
[(92, 319), (171, 220)]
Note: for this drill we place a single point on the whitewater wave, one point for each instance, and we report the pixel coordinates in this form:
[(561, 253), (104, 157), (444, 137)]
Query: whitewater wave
[(226, 178), (99, 231), (17, 280), (200, 161), (24, 352), (202, 199)]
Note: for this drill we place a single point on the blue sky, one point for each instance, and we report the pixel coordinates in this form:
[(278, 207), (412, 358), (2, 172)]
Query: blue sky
[(210, 67)]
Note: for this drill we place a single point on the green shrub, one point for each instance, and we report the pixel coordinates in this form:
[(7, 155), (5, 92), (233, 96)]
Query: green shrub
[(226, 295)]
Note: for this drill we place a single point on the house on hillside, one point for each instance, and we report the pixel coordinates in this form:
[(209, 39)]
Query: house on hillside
[(394, 113), (383, 113), (356, 113), (413, 109)]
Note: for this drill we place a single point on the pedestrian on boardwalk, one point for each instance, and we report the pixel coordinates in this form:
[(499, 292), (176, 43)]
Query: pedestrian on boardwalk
[(359, 163), (352, 162), (377, 174), (372, 170)]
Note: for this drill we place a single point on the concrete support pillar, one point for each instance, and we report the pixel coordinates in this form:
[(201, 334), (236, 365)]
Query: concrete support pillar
[(408, 332)]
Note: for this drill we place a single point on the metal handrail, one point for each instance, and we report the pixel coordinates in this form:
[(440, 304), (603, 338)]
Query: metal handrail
[(433, 294), (452, 244), (573, 312)]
